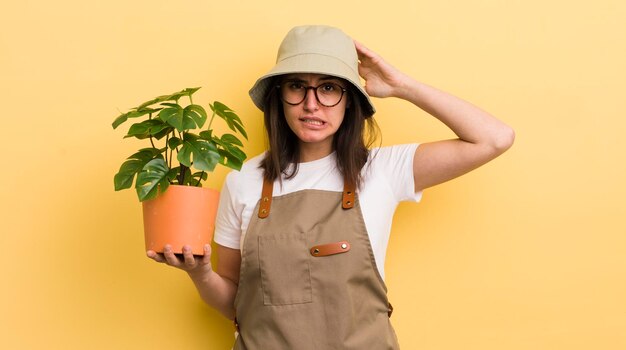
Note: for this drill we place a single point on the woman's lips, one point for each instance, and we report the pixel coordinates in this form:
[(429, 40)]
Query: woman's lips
[(312, 121)]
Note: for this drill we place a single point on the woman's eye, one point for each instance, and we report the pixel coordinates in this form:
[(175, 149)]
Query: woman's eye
[(328, 87), (295, 86)]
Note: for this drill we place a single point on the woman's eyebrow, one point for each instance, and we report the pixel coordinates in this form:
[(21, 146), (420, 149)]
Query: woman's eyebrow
[(332, 79)]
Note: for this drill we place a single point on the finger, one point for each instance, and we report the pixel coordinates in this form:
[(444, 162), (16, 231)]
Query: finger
[(190, 261), (170, 258), (363, 71), (362, 51), (359, 49), (155, 256), (206, 259)]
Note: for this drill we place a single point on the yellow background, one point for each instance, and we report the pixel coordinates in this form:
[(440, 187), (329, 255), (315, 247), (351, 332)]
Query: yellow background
[(527, 252)]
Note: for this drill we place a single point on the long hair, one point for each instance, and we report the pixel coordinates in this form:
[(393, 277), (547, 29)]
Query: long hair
[(357, 133)]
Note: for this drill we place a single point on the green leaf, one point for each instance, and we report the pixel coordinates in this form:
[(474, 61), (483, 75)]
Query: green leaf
[(227, 159), (135, 113), (171, 97), (206, 135), (231, 139), (173, 173), (237, 153), (183, 119), (217, 141), (197, 178), (146, 128), (204, 153), (153, 101), (173, 116), (234, 150), (224, 111), (152, 179), (203, 175), (231, 156), (232, 120), (231, 124), (196, 113), (119, 120), (174, 142), (133, 164), (159, 135), (241, 130), (187, 178), (186, 92)]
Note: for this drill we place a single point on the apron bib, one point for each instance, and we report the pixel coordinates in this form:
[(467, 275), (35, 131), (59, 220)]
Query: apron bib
[(308, 277)]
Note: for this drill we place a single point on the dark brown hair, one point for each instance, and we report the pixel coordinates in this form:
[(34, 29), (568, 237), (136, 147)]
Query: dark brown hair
[(357, 133)]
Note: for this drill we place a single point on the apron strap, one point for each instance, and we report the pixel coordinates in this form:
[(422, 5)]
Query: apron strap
[(347, 201), (266, 198), (348, 194)]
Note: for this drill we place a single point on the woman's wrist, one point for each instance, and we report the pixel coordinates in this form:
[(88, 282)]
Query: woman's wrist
[(201, 274), (407, 89)]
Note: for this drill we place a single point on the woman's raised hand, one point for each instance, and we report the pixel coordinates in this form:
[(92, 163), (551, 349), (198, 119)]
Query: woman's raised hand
[(190, 263), (381, 78)]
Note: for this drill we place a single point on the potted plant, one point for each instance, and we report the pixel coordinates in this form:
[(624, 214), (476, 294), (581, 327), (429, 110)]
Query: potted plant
[(168, 175)]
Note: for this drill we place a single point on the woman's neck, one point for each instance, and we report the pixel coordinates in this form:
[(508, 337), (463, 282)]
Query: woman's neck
[(310, 152)]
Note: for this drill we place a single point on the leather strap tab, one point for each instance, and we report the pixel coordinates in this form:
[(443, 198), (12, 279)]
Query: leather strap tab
[(348, 195), (266, 199), (330, 249)]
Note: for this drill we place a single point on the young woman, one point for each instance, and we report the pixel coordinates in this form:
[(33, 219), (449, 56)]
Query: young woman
[(302, 229)]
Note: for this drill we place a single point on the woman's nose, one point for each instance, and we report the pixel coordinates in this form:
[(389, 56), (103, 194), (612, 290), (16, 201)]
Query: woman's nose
[(310, 101)]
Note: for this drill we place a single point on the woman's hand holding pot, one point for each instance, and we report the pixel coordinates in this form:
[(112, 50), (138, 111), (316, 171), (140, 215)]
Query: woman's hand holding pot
[(189, 263)]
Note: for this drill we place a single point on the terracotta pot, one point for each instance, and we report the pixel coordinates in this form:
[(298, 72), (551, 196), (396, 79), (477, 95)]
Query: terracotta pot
[(183, 215)]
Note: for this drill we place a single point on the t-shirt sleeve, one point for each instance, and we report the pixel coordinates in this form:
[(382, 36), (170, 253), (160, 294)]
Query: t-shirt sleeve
[(228, 221), (396, 163)]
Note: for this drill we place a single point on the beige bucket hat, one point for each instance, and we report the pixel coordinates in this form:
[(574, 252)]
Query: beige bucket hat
[(314, 49)]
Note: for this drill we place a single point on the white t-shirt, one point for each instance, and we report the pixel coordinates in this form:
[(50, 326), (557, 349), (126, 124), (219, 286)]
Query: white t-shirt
[(387, 180)]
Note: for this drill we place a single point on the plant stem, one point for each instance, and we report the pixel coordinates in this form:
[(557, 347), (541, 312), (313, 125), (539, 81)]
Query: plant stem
[(171, 153), (200, 179), (151, 141), (211, 121), (169, 164), (181, 175)]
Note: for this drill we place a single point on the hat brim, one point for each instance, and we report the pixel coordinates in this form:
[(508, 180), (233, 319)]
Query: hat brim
[(308, 63)]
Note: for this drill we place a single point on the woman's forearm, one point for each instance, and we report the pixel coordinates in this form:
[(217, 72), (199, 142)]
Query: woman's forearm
[(468, 122), (217, 291)]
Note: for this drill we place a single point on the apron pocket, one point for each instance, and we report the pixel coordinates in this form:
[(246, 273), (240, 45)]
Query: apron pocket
[(285, 269)]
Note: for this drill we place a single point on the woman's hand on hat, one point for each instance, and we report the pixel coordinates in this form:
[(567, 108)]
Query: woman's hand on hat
[(381, 78), (188, 263)]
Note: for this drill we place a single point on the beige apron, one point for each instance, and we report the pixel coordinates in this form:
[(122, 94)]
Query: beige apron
[(308, 277)]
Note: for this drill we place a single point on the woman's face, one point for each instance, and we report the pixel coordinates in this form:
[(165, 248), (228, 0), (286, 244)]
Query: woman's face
[(314, 123)]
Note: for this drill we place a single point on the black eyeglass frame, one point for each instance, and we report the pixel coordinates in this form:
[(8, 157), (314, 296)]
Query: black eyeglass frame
[(314, 88)]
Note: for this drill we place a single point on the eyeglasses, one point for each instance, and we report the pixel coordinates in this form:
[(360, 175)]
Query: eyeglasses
[(327, 94)]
